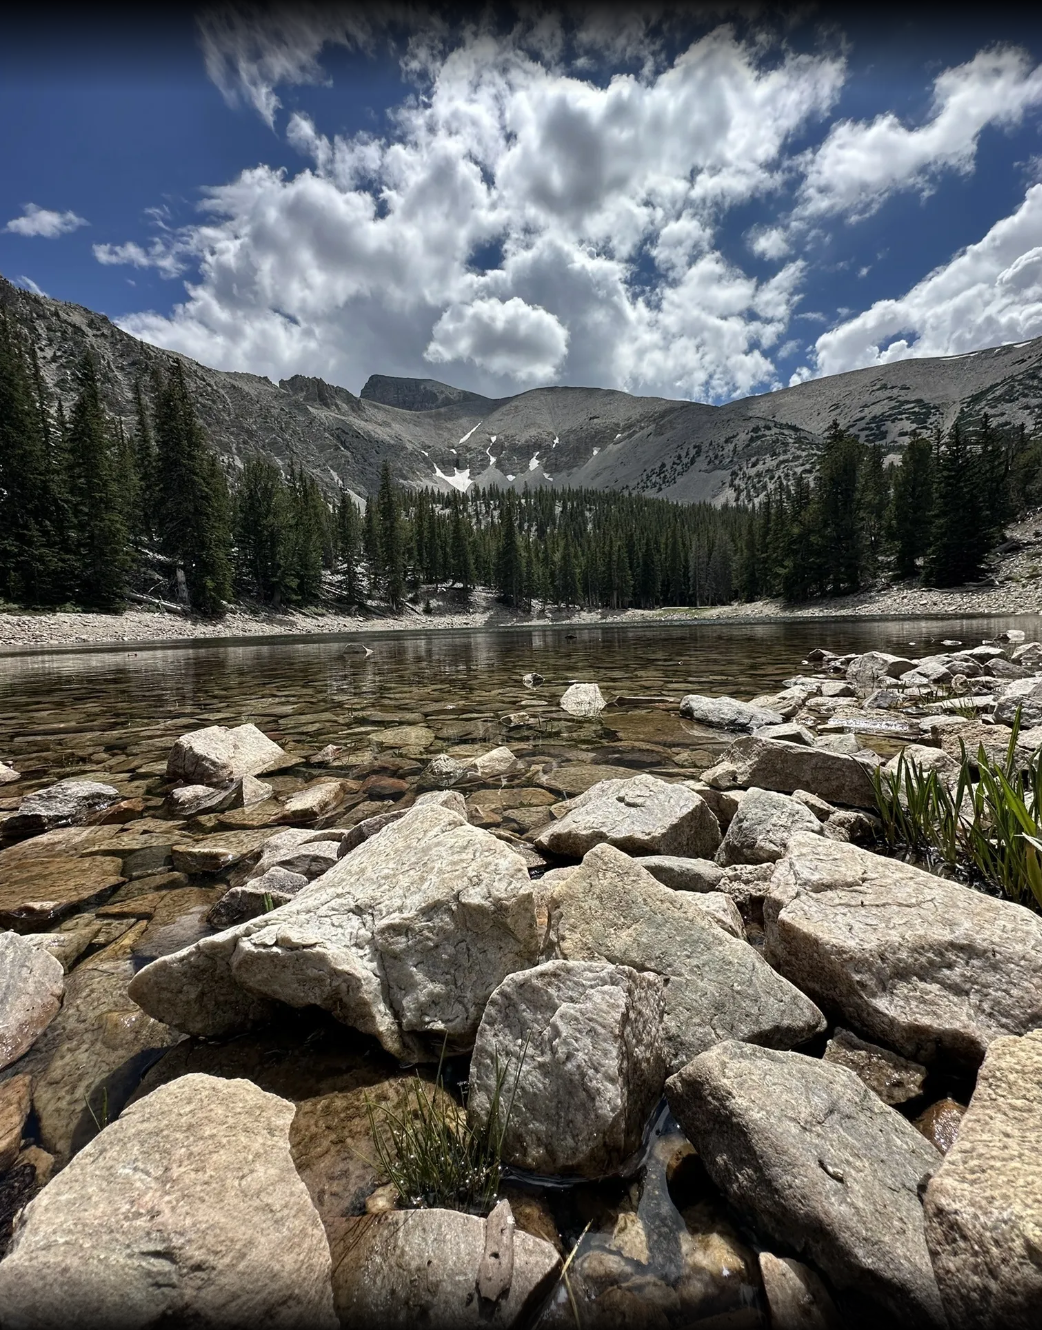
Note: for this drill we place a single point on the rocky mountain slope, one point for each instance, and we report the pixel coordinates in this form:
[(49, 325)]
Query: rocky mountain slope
[(432, 433)]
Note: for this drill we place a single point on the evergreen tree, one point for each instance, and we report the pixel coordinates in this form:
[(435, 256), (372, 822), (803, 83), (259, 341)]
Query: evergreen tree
[(193, 510), (142, 523), (371, 551), (569, 589), (911, 506), (462, 550), (310, 518), (391, 540), (960, 536), (837, 555), (98, 529), (348, 544), (264, 533), (509, 565)]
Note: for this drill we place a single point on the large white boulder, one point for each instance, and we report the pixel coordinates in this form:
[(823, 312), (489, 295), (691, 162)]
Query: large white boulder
[(926, 966), (592, 1068), (407, 936), (187, 1210), (727, 713), (219, 756), (583, 700), (763, 826), (639, 815), (773, 764)]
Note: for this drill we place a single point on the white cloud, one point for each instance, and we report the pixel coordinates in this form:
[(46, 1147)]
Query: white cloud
[(989, 293), (36, 221), (167, 257), (601, 201), (503, 336), (30, 285), (860, 163)]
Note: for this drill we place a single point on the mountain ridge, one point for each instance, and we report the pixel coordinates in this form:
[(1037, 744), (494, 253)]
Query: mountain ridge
[(432, 433)]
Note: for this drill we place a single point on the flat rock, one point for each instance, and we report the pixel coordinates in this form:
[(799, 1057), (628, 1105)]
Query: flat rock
[(31, 986), (325, 796), (15, 1102), (8, 775), (407, 936), (384, 1274), (639, 815), (213, 854), (188, 1210), (893, 1078), (727, 713), (926, 966), (773, 764), (791, 733), (69, 940), (760, 831), (983, 1206), (583, 699), (404, 736), (219, 756), (592, 1070), (574, 778), (61, 805), (683, 874), (812, 1158), (38, 892), (924, 759), (91, 1056), (255, 897), (717, 987)]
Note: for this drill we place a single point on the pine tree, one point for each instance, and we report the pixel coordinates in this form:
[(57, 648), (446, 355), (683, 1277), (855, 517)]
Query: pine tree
[(347, 539), (264, 533), (509, 564), (838, 552), (391, 540), (98, 529), (911, 506), (960, 538), (143, 522), (193, 515), (461, 560), (309, 532), (569, 587)]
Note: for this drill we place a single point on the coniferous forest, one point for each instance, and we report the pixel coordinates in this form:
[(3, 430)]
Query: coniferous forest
[(96, 512)]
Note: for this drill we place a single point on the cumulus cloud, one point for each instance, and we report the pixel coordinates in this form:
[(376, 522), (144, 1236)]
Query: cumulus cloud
[(36, 221), (989, 293), (860, 163), (600, 202), (168, 257)]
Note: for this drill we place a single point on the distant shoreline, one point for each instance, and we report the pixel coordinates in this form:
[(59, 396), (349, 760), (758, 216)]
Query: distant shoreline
[(22, 632)]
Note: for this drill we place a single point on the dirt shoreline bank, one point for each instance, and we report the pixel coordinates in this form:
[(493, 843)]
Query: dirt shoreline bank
[(21, 632)]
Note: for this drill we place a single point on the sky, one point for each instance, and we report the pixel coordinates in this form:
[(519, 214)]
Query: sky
[(701, 202)]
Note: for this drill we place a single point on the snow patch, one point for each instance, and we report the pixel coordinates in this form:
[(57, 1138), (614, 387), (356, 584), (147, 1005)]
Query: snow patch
[(596, 451), (618, 437), (467, 435), (488, 454), (492, 438), (534, 463), (511, 477), (460, 480)]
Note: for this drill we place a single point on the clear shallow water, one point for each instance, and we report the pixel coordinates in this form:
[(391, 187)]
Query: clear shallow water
[(66, 711)]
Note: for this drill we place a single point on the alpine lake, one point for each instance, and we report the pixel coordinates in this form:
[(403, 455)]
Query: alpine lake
[(381, 706)]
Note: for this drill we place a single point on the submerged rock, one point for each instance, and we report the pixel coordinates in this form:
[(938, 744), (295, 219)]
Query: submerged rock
[(62, 805), (983, 1206), (31, 986), (639, 815), (727, 713), (37, 892), (586, 1036), (406, 936), (408, 1268), (931, 968), (188, 1210), (219, 756), (811, 1157), (717, 987)]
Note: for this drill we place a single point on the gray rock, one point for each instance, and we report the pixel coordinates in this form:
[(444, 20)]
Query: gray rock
[(790, 732), (983, 1206), (748, 885), (317, 800), (836, 688), (497, 762), (592, 1070), (787, 702), (451, 799), (640, 815), (189, 800), (866, 672), (1024, 695), (219, 756), (1029, 654), (925, 759), (839, 743), (926, 966), (188, 1210), (773, 764), (256, 897), (762, 828), (62, 805), (15, 1102), (821, 808), (722, 803), (8, 775), (893, 1078), (444, 770), (727, 713), (797, 1298), (32, 982), (718, 987), (405, 937), (719, 907), (384, 1276), (583, 699), (811, 1157), (681, 874)]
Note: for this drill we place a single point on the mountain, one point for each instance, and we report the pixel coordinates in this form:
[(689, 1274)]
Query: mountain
[(433, 433)]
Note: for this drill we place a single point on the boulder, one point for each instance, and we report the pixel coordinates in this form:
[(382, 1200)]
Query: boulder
[(682, 874), (866, 672), (928, 967), (65, 804), (444, 770), (417, 737), (791, 733), (405, 937), (220, 756), (1024, 695), (385, 1276), (727, 713), (188, 1210), (15, 1102), (717, 987), (762, 828), (314, 801), (893, 1078), (498, 762), (721, 909), (925, 759), (640, 815), (583, 699), (773, 764), (586, 1036), (787, 702), (747, 885), (796, 1296), (188, 800), (31, 986), (256, 897), (1029, 654), (8, 775), (983, 1205), (812, 1158)]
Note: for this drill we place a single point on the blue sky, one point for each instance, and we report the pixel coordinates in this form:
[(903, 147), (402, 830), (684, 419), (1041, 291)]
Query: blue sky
[(659, 201)]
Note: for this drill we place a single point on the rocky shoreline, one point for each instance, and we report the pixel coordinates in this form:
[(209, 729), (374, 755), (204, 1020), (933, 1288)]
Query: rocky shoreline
[(774, 1076)]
